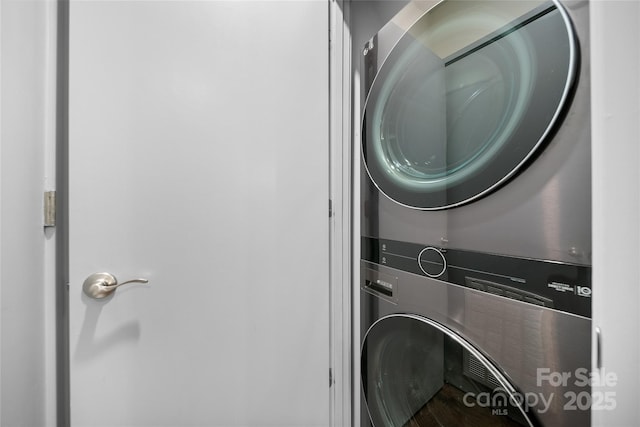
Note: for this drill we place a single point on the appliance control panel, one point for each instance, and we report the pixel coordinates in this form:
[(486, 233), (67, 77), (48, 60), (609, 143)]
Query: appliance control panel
[(432, 262), (561, 286)]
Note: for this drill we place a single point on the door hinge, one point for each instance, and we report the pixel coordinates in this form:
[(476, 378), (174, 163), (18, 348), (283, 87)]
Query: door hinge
[(330, 377), (49, 208), (330, 208)]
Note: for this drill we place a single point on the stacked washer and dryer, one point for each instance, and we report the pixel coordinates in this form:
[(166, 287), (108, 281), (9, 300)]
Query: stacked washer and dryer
[(475, 293)]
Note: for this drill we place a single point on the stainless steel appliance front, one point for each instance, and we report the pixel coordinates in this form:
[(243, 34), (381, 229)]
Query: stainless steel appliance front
[(446, 161), (518, 364), (476, 215)]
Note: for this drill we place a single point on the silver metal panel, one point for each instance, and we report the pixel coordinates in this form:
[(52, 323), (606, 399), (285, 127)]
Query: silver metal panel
[(544, 212), (519, 338), (387, 37)]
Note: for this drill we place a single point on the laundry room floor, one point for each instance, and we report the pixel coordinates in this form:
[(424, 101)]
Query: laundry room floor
[(446, 409)]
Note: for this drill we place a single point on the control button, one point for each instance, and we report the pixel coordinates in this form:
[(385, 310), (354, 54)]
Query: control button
[(432, 262)]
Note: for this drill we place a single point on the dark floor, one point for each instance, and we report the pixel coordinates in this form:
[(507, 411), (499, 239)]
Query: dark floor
[(446, 409)]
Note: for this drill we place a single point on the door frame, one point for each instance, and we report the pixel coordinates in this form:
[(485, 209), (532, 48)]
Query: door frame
[(62, 403), (341, 298), (340, 152)]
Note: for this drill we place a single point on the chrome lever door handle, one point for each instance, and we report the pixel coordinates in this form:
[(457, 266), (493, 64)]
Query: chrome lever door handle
[(100, 285)]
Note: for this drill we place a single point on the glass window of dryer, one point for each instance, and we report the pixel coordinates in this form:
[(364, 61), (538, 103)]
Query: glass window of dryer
[(416, 373), (470, 92)]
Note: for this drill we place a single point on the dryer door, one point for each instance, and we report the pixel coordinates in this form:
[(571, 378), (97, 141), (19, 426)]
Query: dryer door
[(416, 372), (465, 98)]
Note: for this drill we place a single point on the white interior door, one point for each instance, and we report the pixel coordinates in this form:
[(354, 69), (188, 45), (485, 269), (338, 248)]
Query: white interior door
[(198, 161)]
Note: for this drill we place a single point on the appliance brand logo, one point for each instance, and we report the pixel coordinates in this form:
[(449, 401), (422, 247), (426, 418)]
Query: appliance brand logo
[(582, 291)]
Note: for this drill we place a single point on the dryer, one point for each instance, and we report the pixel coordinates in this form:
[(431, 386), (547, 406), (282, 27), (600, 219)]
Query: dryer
[(476, 215)]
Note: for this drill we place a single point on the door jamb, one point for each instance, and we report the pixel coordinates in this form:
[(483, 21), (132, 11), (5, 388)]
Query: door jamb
[(62, 216), (341, 219)]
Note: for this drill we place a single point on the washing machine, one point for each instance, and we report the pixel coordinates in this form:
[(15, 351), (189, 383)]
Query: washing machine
[(475, 275)]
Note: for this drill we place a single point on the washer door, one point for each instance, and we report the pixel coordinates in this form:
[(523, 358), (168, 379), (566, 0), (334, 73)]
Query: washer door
[(415, 372), (468, 94)]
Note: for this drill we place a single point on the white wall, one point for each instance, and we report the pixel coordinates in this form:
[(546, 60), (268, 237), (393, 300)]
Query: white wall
[(616, 206), (22, 384)]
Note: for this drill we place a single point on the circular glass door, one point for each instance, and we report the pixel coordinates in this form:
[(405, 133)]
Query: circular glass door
[(465, 98), (417, 373)]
